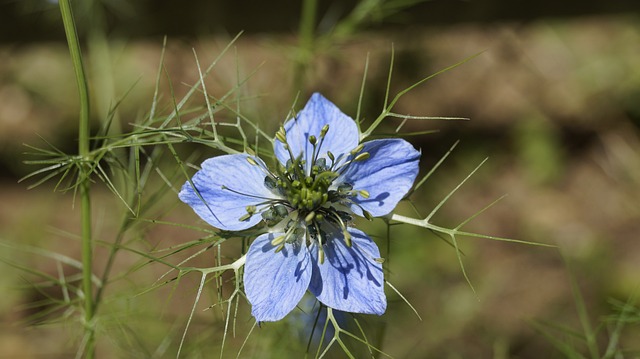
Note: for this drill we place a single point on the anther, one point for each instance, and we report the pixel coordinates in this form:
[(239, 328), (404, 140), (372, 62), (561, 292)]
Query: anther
[(281, 135), (361, 157), (251, 210), (320, 254), (278, 240), (347, 238), (309, 218), (279, 248), (252, 161), (324, 130), (313, 140), (357, 149), (364, 193)]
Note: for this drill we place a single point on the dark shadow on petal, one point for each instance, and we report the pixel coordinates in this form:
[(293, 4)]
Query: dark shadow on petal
[(269, 247), (301, 267), (266, 247), (367, 263), (347, 259), (378, 199), (315, 286)]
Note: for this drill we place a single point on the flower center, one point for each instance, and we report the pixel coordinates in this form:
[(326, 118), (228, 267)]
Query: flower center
[(305, 192), (311, 207)]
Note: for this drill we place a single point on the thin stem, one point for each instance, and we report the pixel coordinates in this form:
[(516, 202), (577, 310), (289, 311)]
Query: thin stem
[(307, 26), (81, 80), (83, 151)]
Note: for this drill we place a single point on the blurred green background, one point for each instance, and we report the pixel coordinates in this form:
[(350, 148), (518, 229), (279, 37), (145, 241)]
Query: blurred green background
[(554, 102)]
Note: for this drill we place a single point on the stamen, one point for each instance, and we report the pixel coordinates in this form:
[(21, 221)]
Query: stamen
[(309, 218), (279, 248), (324, 130), (250, 195), (336, 216), (347, 237), (258, 163), (361, 157), (357, 149), (331, 157), (251, 210), (316, 151), (365, 213), (320, 254), (278, 240), (281, 135)]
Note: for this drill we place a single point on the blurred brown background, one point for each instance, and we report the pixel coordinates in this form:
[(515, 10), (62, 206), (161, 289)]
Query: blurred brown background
[(553, 100)]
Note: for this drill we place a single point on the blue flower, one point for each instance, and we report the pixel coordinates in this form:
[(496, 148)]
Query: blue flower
[(324, 176)]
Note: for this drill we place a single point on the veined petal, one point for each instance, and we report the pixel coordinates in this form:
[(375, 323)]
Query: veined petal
[(223, 189), (341, 138), (275, 282), (387, 175), (349, 279)]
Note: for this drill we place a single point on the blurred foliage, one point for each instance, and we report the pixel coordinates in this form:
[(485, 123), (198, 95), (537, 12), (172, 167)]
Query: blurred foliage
[(553, 103), (33, 20)]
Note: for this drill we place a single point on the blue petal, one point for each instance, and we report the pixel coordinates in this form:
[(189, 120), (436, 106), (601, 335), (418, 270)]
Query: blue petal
[(387, 175), (275, 282), (349, 279), (341, 138), (222, 208)]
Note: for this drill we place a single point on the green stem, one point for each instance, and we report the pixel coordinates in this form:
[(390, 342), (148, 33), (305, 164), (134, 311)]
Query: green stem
[(83, 151), (307, 27)]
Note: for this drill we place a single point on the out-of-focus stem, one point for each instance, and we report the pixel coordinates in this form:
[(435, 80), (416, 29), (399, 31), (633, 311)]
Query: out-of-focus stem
[(83, 175), (307, 40)]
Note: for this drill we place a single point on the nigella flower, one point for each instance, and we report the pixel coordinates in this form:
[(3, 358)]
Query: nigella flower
[(306, 204)]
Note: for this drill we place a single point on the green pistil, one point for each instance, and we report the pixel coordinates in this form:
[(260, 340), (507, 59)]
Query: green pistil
[(308, 193)]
